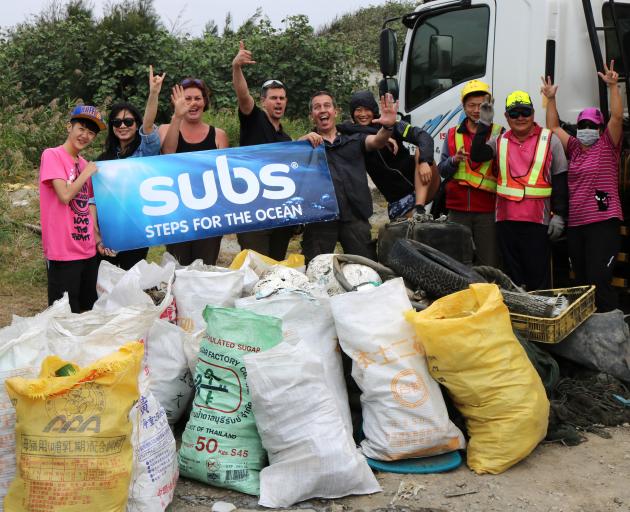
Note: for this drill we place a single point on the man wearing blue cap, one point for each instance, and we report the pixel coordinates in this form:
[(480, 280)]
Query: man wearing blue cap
[(65, 189)]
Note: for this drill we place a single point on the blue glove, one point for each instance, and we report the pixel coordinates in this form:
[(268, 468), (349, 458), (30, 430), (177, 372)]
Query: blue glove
[(556, 228)]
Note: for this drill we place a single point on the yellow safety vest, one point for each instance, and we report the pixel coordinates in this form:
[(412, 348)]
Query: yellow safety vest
[(533, 184)]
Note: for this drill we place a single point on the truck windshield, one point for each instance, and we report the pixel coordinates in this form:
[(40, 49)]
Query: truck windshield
[(447, 49)]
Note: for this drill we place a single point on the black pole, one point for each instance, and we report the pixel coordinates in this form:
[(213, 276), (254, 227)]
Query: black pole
[(597, 55)]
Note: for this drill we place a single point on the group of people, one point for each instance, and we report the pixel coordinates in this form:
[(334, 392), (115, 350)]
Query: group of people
[(72, 243), (519, 189), (510, 187)]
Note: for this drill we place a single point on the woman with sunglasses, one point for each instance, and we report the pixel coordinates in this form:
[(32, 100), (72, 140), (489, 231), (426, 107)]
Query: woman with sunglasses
[(188, 132), (594, 206), (129, 135)]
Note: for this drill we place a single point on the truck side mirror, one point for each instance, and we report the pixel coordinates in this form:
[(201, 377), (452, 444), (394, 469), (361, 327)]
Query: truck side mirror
[(388, 85), (388, 59), (441, 56)]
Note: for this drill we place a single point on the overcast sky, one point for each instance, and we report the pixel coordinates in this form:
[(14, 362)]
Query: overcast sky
[(191, 15)]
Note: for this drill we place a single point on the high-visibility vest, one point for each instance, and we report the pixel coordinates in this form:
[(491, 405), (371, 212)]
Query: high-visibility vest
[(533, 184), (483, 176)]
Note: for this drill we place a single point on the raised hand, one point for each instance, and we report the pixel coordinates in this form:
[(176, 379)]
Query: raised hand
[(243, 57), (389, 111), (610, 76), (548, 89), (178, 97), (155, 81), (486, 112)]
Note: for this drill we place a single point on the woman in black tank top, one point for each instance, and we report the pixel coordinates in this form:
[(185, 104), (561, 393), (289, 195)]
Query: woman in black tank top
[(187, 132)]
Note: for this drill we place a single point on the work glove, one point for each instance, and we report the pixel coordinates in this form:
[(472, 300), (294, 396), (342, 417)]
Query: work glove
[(556, 228), (486, 113)]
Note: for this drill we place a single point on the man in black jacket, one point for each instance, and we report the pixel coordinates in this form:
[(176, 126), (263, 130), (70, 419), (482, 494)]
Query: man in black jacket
[(408, 182)]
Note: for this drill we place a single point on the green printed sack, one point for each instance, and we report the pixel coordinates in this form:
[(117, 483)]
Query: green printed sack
[(220, 445)]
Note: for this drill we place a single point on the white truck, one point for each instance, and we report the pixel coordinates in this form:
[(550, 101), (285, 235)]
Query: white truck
[(508, 44)]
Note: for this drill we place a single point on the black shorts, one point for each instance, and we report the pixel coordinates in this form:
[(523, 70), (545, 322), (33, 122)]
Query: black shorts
[(77, 278)]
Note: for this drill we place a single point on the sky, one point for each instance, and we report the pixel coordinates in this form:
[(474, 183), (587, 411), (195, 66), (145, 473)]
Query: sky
[(191, 16)]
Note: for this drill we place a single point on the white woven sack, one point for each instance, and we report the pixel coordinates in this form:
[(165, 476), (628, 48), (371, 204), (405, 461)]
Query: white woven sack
[(196, 289), (309, 319), (171, 380), (404, 414), (118, 288), (311, 453)]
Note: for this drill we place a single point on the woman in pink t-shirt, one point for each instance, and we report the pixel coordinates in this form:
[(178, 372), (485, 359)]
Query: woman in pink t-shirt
[(594, 206)]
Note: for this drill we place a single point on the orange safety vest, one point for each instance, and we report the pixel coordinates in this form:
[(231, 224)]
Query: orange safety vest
[(482, 177), (533, 184)]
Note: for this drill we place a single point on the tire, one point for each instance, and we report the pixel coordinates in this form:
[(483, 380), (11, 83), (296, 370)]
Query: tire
[(429, 269)]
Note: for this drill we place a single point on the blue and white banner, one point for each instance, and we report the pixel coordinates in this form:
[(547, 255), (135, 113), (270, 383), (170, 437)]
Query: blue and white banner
[(185, 196)]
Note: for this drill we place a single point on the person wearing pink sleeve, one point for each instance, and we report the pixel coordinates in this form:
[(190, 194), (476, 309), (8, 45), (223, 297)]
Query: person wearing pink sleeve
[(65, 189), (594, 206)]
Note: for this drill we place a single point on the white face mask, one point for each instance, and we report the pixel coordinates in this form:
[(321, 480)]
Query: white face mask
[(587, 136)]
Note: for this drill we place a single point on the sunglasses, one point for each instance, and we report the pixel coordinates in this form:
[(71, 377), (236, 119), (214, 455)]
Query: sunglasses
[(188, 82), (588, 125), (515, 113), (127, 121), (272, 83)]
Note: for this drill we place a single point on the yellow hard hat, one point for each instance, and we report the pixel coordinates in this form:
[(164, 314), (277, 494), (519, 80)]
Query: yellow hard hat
[(518, 98), (475, 86)]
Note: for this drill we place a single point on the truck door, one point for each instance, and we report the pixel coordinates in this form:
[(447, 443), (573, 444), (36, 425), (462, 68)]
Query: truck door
[(451, 43)]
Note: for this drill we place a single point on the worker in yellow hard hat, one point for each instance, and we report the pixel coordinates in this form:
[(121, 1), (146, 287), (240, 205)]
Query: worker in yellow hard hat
[(532, 196), (471, 186)]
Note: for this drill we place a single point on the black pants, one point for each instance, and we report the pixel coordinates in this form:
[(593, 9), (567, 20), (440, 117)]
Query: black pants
[(78, 278), (592, 251), (270, 242), (355, 237), (206, 249), (526, 253), (127, 259)]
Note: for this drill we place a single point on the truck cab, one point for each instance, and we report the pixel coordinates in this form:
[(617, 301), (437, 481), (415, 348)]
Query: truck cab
[(509, 45)]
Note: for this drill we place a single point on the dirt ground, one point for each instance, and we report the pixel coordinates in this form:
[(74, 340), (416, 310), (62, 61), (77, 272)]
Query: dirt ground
[(590, 477)]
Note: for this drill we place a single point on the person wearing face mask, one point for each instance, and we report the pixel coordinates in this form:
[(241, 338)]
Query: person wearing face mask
[(594, 206), (129, 135), (532, 194)]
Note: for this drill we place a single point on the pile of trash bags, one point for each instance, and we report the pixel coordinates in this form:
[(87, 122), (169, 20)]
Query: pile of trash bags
[(249, 362)]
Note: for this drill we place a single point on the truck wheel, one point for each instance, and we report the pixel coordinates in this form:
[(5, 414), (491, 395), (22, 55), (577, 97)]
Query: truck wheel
[(429, 269)]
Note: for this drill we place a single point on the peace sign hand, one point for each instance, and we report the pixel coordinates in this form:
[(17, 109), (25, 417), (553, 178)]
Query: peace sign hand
[(155, 81), (548, 89), (610, 76)]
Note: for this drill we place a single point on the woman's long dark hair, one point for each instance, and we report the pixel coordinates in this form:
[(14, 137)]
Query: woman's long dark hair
[(112, 145)]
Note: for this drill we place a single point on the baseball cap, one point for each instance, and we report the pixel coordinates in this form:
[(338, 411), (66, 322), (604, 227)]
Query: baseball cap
[(88, 112), (591, 114), (518, 99)]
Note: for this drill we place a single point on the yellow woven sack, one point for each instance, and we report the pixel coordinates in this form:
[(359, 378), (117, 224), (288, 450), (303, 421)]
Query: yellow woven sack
[(293, 260), (72, 433), (472, 350)]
